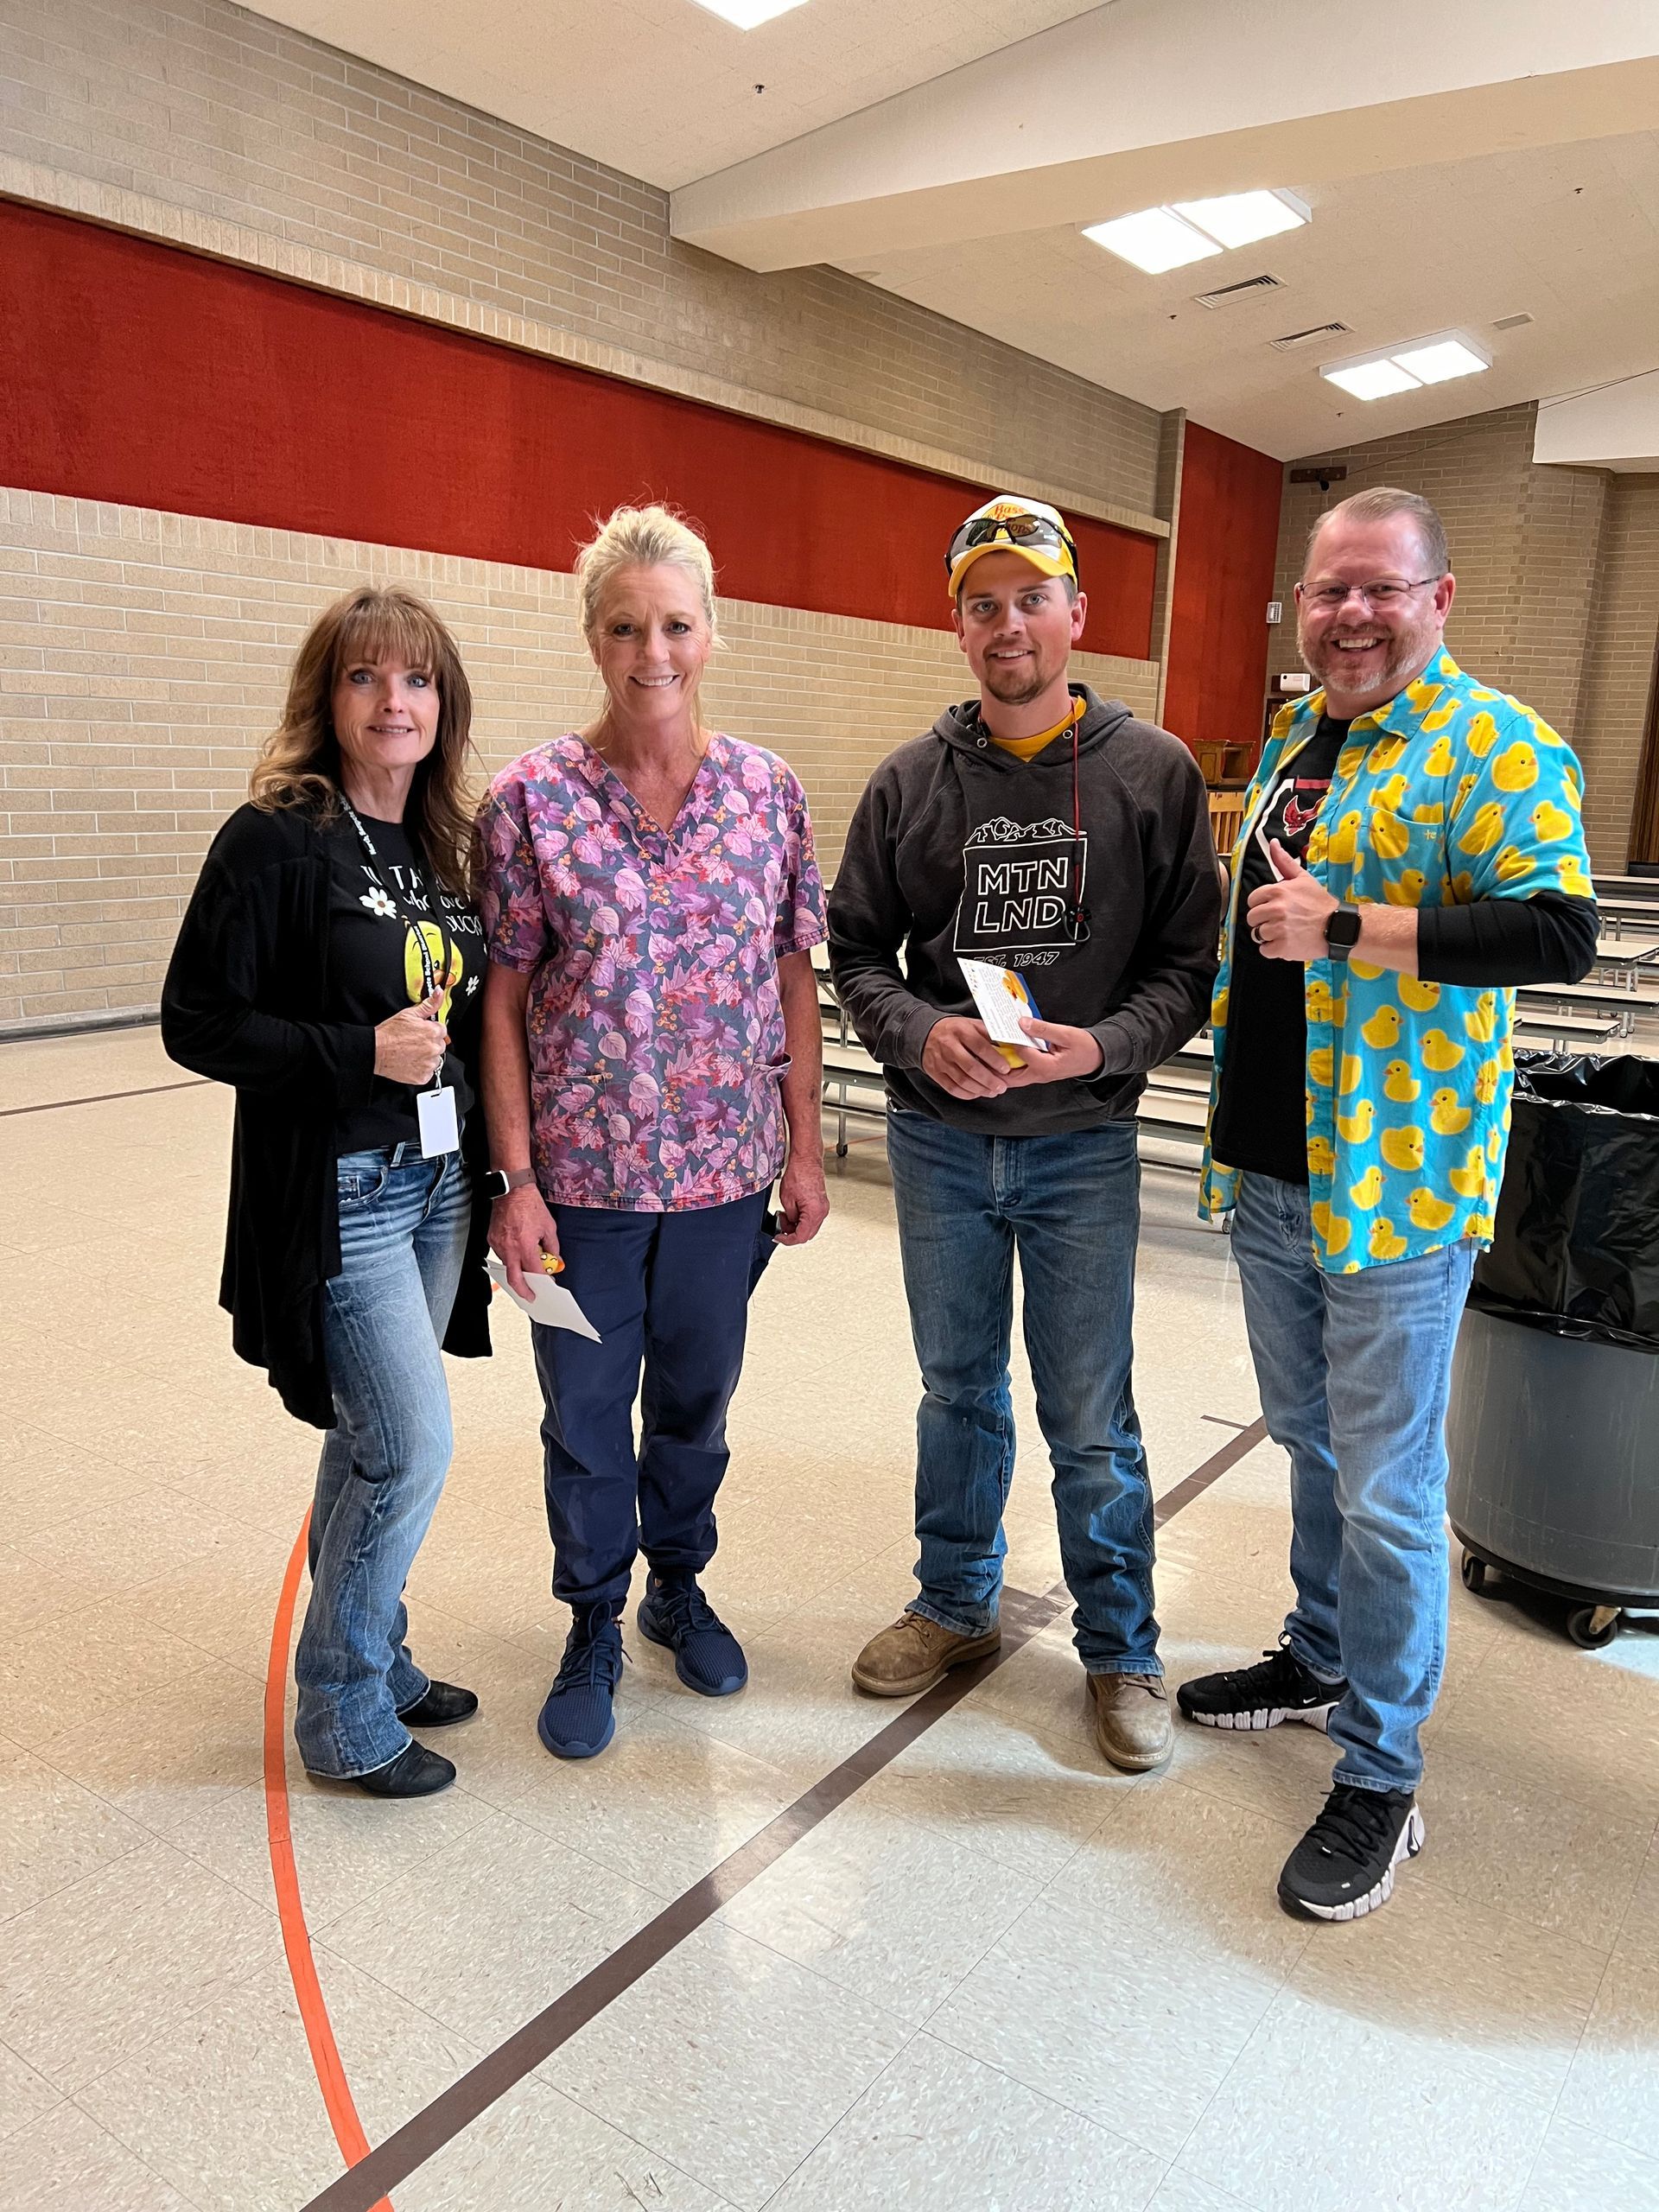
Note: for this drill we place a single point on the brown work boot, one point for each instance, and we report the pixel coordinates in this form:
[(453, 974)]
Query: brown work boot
[(1132, 1724), (914, 1654)]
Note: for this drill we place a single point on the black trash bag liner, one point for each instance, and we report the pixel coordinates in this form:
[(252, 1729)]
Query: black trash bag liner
[(1576, 1242)]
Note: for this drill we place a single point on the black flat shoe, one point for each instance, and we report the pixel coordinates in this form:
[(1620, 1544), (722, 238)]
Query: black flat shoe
[(415, 1772), (444, 1704)]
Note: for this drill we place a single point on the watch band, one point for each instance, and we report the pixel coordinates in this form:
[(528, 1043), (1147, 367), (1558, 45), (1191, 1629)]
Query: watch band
[(499, 1180)]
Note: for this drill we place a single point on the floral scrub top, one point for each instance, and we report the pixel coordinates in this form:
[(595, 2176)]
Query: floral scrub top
[(1450, 792), (655, 1027)]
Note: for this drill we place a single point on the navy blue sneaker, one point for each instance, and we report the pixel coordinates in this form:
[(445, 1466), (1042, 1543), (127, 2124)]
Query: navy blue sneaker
[(576, 1721), (708, 1658)]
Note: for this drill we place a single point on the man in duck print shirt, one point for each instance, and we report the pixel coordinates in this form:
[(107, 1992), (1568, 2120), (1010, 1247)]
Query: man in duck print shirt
[(1411, 850)]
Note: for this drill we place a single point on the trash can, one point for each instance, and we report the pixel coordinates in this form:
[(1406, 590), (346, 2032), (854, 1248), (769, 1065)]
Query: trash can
[(1552, 1427)]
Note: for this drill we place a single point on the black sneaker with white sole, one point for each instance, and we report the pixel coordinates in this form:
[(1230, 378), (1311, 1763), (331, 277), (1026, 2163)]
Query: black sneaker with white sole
[(1279, 1688), (1343, 1866)]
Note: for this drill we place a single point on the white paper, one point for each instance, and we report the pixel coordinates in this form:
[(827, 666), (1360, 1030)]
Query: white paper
[(548, 1302), (434, 1111), (1002, 997)]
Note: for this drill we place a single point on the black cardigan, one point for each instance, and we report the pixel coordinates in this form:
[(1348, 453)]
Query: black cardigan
[(245, 992)]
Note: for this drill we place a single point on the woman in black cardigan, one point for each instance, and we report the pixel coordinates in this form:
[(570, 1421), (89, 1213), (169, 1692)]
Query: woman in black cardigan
[(330, 967)]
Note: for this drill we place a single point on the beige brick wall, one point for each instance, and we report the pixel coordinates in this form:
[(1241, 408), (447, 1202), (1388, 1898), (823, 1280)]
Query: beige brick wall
[(143, 656), (195, 118), (1558, 577)]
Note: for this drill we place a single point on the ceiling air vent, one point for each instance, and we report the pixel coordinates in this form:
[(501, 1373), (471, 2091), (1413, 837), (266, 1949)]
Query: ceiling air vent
[(1511, 321), (1292, 339), (1225, 294)]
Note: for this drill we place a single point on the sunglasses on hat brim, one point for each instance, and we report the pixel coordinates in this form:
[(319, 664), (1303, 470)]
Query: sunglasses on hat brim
[(1021, 532)]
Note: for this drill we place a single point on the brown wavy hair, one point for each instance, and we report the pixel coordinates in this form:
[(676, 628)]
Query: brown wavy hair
[(299, 762)]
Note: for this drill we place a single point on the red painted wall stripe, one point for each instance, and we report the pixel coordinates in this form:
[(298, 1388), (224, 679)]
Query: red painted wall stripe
[(139, 373), (1224, 562)]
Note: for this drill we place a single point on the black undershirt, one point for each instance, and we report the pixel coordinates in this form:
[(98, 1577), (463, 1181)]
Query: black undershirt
[(1260, 1117), (375, 962)]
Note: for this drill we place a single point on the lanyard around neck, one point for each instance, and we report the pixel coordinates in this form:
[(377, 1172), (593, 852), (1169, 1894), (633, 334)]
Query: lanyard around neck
[(431, 974)]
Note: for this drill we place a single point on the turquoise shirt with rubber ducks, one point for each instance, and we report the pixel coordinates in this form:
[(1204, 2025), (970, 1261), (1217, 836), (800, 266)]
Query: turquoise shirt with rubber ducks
[(1450, 793)]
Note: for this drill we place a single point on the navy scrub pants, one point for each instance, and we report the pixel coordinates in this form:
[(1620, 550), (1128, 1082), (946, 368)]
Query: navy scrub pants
[(668, 1293)]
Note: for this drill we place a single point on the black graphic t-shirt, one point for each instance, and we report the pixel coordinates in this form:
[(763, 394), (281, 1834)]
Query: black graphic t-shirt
[(375, 906), (1261, 1118)]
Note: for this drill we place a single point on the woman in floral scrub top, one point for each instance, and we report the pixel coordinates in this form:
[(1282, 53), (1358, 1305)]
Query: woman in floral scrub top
[(652, 1053)]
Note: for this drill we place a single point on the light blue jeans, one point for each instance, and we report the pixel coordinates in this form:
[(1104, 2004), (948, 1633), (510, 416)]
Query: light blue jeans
[(1070, 1207), (403, 1234), (1353, 1372)]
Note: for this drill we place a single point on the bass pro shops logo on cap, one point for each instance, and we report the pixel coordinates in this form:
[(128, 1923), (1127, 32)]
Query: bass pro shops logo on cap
[(1030, 528)]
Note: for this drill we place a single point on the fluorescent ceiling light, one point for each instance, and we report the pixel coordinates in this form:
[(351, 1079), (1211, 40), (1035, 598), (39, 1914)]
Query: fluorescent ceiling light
[(1242, 218), (1372, 380), (1408, 368), (1443, 358), (749, 15), (1168, 237), (1154, 240)]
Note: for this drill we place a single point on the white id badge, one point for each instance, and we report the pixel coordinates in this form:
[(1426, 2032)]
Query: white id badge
[(440, 1131)]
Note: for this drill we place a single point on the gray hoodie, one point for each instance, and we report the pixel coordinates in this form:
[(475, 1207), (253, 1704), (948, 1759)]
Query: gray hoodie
[(958, 847)]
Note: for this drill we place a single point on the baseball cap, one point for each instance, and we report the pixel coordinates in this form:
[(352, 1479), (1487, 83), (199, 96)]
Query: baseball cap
[(1008, 524)]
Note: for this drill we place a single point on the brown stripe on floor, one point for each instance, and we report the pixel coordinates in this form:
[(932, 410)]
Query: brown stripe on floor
[(363, 2186), (102, 1097)]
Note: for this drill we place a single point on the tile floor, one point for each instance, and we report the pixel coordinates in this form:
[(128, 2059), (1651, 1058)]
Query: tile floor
[(997, 1979)]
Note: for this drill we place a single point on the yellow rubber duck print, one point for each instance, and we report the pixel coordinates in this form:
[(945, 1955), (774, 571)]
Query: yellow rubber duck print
[(1402, 1147), (1419, 995), (1516, 768), (1337, 1232), (1484, 830), (1368, 1189), (1574, 881), (1321, 1156), (1420, 696), (1322, 1066), (1479, 1225), (1219, 1010), (1550, 823), (1317, 1001), (1513, 864), (1469, 1180), (1347, 761), (1430, 813), (1486, 1076), (1319, 844), (1382, 1032), (1349, 1076), (1388, 795), (1483, 735), (1439, 1052), (1407, 892), (1363, 969), (1344, 841), (1429, 1213), (1385, 1244), (1356, 1128), (1399, 1084), (1448, 1117), (1386, 753), (1465, 785), (1463, 888), (1390, 839), (1482, 1024), (1440, 760)]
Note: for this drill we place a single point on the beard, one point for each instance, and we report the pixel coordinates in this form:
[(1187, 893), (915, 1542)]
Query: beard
[(1013, 687), (1404, 652)]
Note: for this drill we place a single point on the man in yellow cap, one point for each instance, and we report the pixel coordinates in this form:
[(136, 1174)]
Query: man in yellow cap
[(1045, 833)]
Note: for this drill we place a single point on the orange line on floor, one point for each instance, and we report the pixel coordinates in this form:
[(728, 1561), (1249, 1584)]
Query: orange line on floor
[(296, 1937)]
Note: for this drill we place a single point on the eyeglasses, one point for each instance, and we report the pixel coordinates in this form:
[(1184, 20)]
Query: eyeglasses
[(1015, 529), (1329, 597)]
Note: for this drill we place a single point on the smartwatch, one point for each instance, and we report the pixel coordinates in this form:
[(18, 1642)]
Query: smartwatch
[(499, 1180), (1341, 932)]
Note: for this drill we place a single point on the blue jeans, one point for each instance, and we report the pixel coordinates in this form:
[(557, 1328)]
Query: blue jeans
[(1070, 1206), (403, 1234), (668, 1293), (1353, 1371)]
